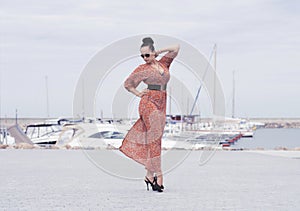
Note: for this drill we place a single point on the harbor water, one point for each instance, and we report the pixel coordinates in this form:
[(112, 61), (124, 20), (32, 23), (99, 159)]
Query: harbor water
[(270, 139)]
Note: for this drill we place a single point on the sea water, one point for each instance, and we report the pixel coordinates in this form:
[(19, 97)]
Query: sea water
[(271, 139)]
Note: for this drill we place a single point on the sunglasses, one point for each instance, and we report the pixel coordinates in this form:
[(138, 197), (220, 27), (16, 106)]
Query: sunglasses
[(145, 55)]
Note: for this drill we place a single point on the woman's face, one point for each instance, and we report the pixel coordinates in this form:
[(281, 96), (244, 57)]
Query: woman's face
[(147, 54)]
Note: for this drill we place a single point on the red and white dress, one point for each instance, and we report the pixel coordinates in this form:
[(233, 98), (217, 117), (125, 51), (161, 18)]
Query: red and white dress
[(143, 141)]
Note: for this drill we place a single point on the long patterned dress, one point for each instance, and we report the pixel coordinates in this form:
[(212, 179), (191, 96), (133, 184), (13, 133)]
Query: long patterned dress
[(143, 141)]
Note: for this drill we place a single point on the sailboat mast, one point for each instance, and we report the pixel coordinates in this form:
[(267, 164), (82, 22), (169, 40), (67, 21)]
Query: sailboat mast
[(47, 96), (215, 75), (0, 97), (170, 102), (233, 97), (83, 100)]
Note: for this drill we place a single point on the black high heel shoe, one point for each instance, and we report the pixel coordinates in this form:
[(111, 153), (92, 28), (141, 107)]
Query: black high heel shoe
[(147, 181), (156, 186)]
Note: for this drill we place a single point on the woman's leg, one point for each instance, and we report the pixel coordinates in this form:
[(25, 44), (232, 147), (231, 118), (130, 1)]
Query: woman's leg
[(150, 175), (159, 178), (154, 123)]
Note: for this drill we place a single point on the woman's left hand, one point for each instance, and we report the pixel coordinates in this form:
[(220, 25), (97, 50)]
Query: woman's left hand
[(142, 93), (157, 53)]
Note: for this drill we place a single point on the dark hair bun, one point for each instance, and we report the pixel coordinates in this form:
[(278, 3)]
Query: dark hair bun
[(148, 40)]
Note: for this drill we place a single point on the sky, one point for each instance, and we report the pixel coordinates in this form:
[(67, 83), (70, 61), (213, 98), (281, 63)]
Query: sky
[(258, 39)]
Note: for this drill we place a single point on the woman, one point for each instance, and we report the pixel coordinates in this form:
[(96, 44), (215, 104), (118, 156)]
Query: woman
[(143, 141)]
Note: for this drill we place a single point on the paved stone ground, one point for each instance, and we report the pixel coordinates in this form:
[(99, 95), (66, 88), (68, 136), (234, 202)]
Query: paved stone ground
[(67, 180)]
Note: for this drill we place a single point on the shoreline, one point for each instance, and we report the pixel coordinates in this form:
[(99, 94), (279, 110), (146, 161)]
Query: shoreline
[(269, 122)]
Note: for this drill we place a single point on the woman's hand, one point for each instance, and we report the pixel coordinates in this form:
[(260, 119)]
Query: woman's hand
[(157, 53), (173, 48), (142, 93)]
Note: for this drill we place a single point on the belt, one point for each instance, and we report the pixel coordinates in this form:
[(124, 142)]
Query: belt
[(157, 87)]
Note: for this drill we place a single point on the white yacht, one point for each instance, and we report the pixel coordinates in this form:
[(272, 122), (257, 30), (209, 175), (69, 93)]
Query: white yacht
[(43, 134), (92, 135)]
